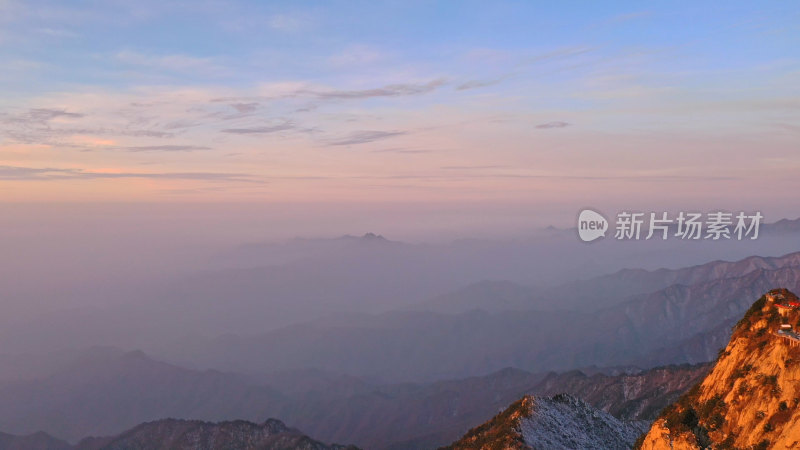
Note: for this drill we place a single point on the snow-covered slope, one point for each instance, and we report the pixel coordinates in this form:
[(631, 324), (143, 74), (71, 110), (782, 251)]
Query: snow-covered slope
[(565, 422), (552, 423)]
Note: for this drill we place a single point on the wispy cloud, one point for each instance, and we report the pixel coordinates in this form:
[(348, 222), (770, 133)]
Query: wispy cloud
[(264, 129), (50, 173), (60, 136), (363, 137), (245, 107), (26, 173), (199, 176), (474, 84), (146, 133), (166, 148), (401, 150), (38, 116), (557, 124), (54, 126), (523, 176), (271, 92), (472, 167), (392, 90)]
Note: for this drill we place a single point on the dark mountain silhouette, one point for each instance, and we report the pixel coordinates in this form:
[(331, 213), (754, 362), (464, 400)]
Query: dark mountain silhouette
[(34, 441), (173, 434), (84, 397)]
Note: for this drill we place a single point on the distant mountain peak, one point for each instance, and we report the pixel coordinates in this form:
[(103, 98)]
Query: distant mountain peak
[(372, 237), (366, 237)]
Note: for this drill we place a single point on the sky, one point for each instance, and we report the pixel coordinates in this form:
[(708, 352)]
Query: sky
[(550, 105)]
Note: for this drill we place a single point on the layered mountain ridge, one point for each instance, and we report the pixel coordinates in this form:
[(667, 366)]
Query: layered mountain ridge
[(81, 399), (175, 434), (676, 323)]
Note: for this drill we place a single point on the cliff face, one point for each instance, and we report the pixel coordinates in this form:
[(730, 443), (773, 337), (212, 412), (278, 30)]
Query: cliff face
[(751, 398)]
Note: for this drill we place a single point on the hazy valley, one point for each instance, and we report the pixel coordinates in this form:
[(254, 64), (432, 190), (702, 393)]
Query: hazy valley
[(380, 380)]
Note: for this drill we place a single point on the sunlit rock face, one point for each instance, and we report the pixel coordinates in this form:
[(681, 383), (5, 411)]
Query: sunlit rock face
[(750, 398)]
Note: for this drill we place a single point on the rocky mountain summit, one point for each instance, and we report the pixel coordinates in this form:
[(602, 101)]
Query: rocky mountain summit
[(751, 398)]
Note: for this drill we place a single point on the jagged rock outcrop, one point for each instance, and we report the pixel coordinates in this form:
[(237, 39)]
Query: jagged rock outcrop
[(553, 423), (751, 398)]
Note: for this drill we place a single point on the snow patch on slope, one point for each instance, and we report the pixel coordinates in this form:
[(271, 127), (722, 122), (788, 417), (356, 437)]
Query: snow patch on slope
[(565, 422)]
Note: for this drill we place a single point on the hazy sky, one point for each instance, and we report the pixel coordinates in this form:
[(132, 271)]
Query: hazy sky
[(570, 103)]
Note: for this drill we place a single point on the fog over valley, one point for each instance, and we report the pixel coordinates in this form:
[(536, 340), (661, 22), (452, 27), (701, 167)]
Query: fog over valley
[(160, 280)]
